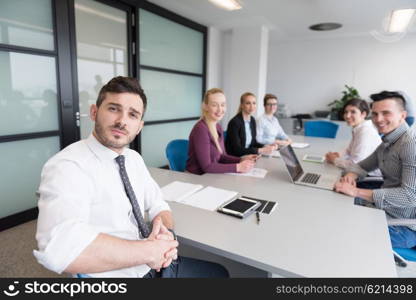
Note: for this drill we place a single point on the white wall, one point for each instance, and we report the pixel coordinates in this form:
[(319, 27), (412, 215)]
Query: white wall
[(214, 64), (243, 65), (237, 64), (307, 75)]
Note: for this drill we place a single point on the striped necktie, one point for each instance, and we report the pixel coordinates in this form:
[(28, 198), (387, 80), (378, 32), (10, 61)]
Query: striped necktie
[(143, 228)]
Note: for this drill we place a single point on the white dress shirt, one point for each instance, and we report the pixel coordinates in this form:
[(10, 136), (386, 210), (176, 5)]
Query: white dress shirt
[(365, 140), (269, 130), (248, 133), (82, 195)]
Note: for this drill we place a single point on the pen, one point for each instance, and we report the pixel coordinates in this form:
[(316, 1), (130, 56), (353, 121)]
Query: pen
[(258, 217)]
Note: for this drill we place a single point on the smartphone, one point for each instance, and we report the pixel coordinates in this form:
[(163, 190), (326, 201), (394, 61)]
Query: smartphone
[(240, 207)]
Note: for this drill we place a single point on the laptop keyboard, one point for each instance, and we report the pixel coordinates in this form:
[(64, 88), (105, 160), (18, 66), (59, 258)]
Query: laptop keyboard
[(311, 178)]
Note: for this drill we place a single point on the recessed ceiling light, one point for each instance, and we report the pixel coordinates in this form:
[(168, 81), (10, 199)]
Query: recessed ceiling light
[(227, 4), (325, 26), (400, 20)]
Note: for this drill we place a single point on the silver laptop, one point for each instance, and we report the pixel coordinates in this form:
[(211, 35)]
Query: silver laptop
[(299, 176)]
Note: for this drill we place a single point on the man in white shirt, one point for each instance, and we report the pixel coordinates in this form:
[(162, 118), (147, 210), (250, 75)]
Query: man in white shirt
[(93, 196)]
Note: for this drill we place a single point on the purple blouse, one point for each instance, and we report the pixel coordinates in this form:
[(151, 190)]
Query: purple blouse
[(204, 156)]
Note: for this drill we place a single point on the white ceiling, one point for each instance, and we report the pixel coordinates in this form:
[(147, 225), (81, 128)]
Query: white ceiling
[(290, 19)]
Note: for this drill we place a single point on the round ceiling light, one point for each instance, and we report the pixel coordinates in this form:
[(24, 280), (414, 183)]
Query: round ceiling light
[(325, 26)]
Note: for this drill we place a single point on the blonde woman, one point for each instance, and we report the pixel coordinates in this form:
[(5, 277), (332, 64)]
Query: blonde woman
[(241, 130), (206, 141)]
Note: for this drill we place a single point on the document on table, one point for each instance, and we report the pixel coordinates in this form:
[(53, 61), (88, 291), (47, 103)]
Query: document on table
[(178, 190), (300, 145), (314, 158), (255, 172), (275, 153), (196, 195), (209, 198)]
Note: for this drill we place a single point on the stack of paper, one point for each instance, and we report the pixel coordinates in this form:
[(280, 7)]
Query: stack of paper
[(274, 153), (300, 145), (314, 158), (255, 172), (209, 198), (178, 190), (195, 195)]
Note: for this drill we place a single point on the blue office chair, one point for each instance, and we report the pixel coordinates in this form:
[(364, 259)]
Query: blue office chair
[(177, 154), (79, 275), (324, 129), (224, 135), (406, 253), (410, 121)]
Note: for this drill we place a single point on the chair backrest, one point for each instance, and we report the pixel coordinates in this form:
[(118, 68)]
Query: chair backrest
[(177, 154), (321, 129), (410, 121)]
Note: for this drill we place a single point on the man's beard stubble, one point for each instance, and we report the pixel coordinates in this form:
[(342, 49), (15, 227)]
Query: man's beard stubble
[(100, 132)]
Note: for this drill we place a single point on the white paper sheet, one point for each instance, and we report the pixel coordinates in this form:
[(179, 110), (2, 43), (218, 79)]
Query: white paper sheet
[(178, 190), (255, 172), (300, 145), (209, 198), (314, 158), (276, 153)]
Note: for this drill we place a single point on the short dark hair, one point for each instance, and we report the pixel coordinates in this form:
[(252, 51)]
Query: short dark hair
[(121, 84), (384, 95), (267, 97), (361, 104)]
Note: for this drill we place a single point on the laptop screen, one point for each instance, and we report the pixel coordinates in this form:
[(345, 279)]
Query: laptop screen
[(291, 161)]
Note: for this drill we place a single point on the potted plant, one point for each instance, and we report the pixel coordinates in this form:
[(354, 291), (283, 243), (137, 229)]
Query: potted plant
[(337, 105)]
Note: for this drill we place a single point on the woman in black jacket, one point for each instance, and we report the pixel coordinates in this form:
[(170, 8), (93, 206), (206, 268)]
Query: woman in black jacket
[(241, 130)]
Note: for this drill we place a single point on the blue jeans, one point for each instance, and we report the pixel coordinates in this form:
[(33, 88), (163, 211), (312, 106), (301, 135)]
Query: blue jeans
[(185, 267), (402, 237)]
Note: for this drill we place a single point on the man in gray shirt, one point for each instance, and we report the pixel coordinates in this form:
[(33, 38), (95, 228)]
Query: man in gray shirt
[(396, 158)]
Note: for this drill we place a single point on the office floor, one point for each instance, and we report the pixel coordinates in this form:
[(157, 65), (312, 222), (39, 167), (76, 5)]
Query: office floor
[(17, 260)]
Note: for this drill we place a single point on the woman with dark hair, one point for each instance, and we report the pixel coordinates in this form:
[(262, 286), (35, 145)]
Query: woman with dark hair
[(241, 131), (365, 138)]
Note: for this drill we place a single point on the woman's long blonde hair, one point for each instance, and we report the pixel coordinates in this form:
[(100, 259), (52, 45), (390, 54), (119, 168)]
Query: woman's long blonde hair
[(242, 98), (212, 126)]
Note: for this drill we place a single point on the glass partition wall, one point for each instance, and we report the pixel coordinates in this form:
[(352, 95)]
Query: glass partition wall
[(172, 72), (101, 37), (55, 55), (29, 114)]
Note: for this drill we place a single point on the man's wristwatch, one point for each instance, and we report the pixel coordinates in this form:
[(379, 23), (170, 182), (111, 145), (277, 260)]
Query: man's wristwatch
[(174, 234)]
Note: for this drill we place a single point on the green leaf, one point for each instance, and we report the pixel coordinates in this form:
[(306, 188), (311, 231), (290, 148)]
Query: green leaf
[(348, 93)]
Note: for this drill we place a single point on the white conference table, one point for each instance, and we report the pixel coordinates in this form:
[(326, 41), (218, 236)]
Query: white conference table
[(311, 233)]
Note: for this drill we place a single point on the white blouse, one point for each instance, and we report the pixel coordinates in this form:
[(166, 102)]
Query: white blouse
[(365, 140)]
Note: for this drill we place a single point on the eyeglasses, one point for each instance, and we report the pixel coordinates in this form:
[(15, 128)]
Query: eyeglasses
[(271, 104)]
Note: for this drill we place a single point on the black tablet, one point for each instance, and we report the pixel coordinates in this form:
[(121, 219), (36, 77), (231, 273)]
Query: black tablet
[(240, 207)]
